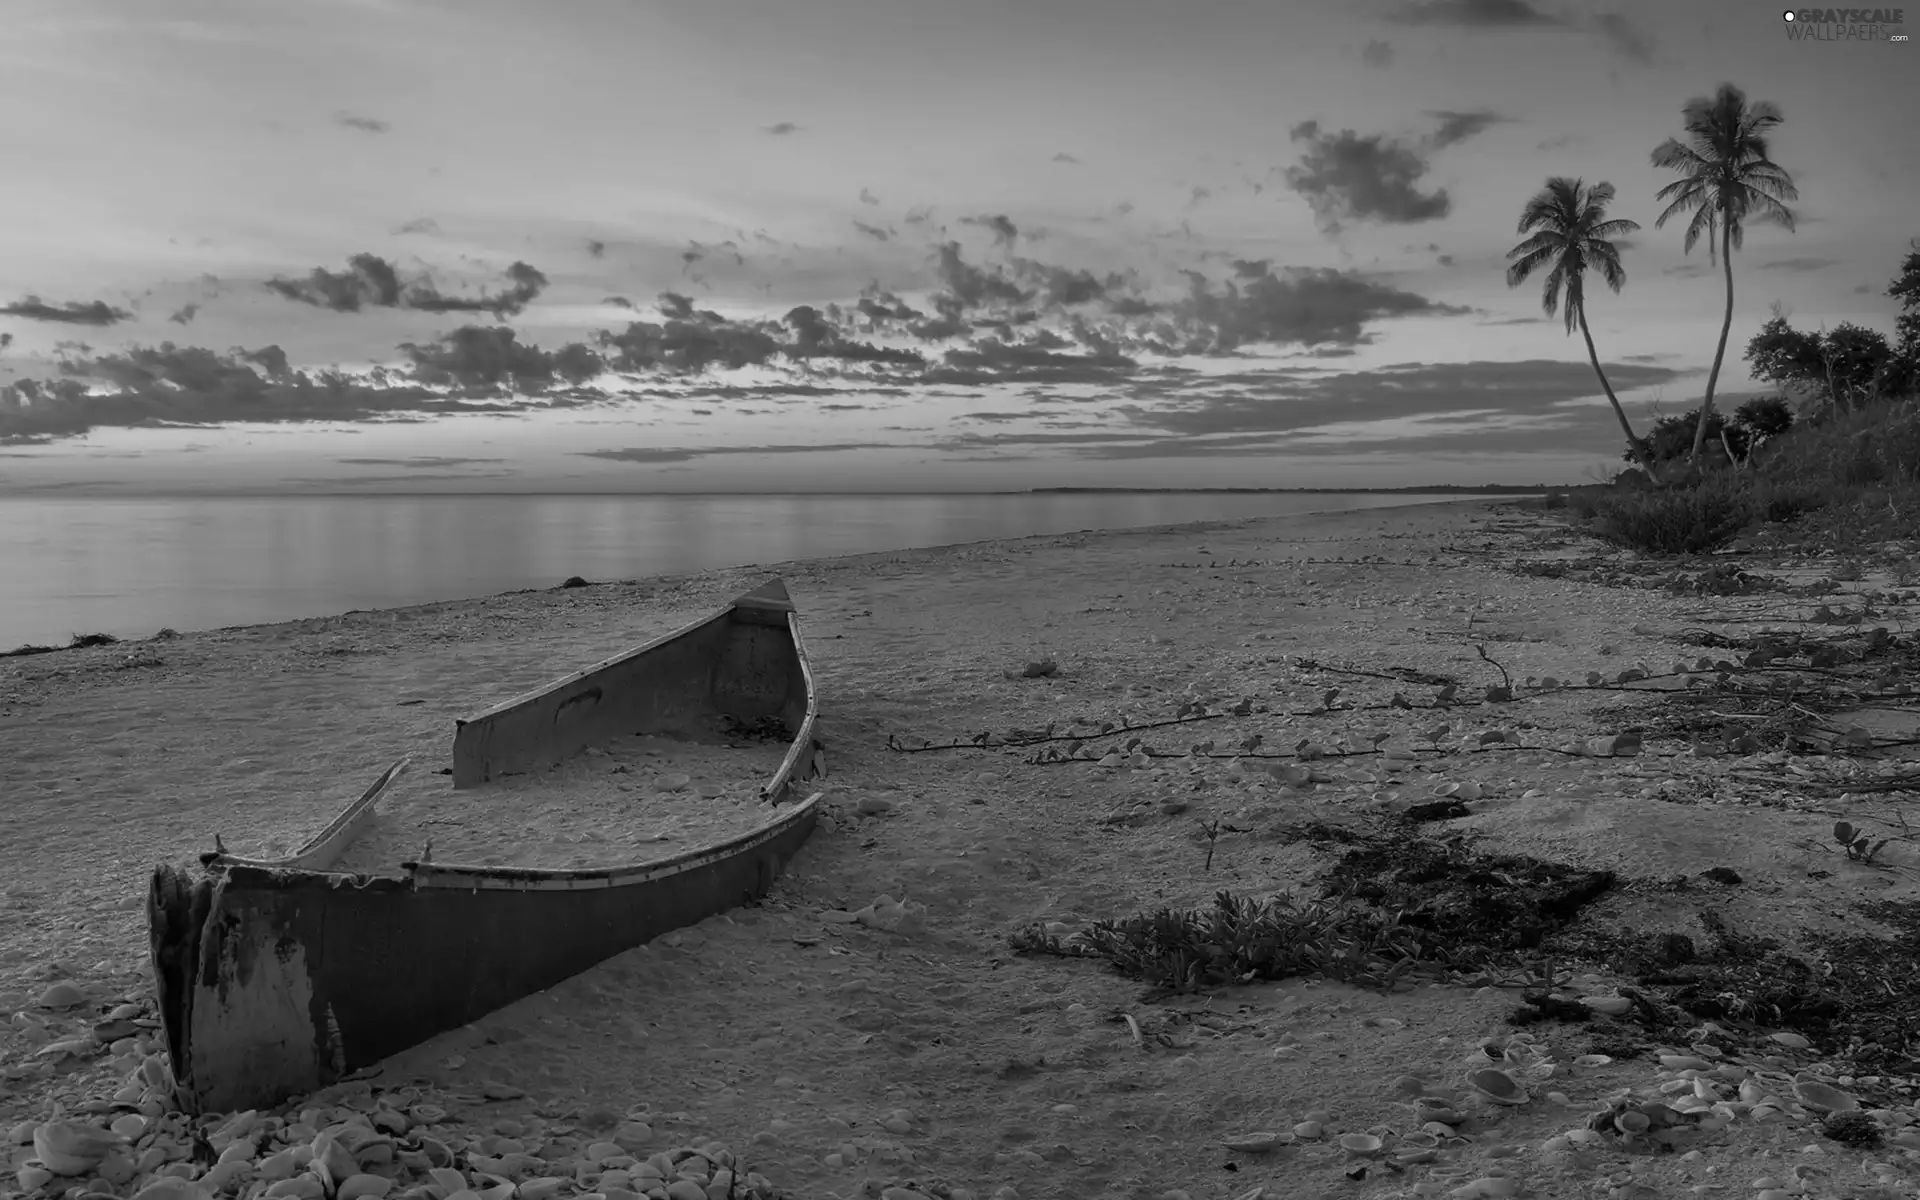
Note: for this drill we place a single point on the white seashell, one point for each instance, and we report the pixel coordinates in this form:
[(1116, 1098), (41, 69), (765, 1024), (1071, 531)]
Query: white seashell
[(1685, 1062), (1360, 1145), (1257, 1143), (69, 1148), (1593, 1060), (1792, 1041), (1497, 1086), (1823, 1098), (1612, 1006)]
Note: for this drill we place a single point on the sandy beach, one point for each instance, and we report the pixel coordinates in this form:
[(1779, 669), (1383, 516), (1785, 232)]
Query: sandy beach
[(798, 1041)]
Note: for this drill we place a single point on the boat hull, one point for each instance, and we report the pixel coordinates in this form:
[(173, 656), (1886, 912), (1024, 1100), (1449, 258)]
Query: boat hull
[(278, 977), (282, 982)]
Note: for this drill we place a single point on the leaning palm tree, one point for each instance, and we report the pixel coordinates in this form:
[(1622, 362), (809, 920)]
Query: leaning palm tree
[(1728, 177), (1568, 221)]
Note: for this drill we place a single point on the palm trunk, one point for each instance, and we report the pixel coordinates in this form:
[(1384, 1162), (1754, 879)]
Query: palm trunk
[(1633, 443), (1720, 352)]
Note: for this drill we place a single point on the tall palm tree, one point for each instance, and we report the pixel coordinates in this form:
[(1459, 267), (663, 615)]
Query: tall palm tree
[(1571, 232), (1728, 178)]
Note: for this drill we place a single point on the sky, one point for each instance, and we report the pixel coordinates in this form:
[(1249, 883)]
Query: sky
[(852, 245)]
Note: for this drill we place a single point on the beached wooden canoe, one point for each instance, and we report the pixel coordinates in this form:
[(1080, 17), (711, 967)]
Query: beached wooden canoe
[(276, 977)]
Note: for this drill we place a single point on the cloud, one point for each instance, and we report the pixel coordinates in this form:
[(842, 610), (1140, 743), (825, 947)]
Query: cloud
[(867, 197), (190, 385), (1418, 407), (99, 312), (423, 463), (1445, 260), (1559, 142), (816, 335), (1377, 53), (363, 124), (970, 286), (657, 454), (1865, 289), (1064, 157), (372, 282), (420, 225), (492, 356), (780, 128), (1003, 229), (524, 287), (1017, 319), (1803, 263), (596, 248), (1456, 127), (1625, 38), (1308, 306), (185, 314), (369, 280), (1345, 176), (873, 231), (1472, 14)]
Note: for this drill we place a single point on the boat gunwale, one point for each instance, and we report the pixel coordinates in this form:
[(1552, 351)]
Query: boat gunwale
[(334, 837), (803, 739), (457, 877)]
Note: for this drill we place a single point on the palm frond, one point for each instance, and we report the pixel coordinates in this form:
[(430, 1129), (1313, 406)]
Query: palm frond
[(1727, 175), (1550, 293), (1569, 231), (1606, 260)]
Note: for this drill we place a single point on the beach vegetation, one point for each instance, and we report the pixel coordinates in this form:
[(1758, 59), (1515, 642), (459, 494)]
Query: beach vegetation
[(1570, 232), (1727, 179), (1830, 461)]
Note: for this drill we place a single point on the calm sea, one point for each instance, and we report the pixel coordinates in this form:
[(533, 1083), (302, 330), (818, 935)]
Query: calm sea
[(133, 566)]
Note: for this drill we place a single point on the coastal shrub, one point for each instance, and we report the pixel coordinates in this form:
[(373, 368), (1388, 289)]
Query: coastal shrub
[(1239, 939), (1777, 504), (1698, 519), (82, 640), (1852, 1128)]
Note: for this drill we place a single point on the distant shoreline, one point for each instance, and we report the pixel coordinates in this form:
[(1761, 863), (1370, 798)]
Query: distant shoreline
[(91, 493), (1444, 489)]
